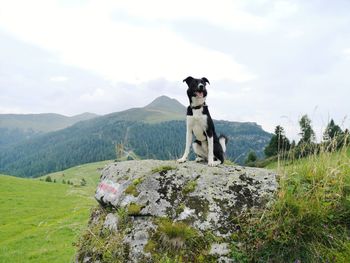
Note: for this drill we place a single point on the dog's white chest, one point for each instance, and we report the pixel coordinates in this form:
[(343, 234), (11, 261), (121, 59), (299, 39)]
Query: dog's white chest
[(198, 124), (197, 101)]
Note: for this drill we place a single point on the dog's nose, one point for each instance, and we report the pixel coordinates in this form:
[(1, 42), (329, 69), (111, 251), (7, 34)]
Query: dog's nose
[(201, 86)]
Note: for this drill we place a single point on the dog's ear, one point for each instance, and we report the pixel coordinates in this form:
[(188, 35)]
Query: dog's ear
[(206, 80), (188, 80)]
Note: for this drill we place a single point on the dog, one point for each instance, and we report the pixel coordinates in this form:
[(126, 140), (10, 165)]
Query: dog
[(207, 145)]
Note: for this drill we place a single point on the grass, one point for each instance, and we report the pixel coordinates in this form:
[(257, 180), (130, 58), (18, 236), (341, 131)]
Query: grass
[(40, 221), (309, 221), (178, 242), (229, 162), (90, 172), (177, 232), (100, 243)]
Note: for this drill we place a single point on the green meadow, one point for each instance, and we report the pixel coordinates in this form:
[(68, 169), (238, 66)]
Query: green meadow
[(310, 219), (308, 222), (89, 172), (40, 221)]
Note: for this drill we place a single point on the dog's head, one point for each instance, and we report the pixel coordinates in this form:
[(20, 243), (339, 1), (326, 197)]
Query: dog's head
[(196, 91)]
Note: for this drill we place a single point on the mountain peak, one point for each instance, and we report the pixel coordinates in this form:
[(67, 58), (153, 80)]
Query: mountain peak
[(84, 116), (166, 103)]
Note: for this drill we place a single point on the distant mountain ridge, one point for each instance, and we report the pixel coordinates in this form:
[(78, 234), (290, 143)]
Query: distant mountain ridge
[(42, 122), (15, 128), (156, 131)]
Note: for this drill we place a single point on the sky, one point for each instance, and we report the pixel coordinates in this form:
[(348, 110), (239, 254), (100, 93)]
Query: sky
[(267, 61)]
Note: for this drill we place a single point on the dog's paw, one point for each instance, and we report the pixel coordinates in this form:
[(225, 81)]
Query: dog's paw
[(199, 159), (182, 160)]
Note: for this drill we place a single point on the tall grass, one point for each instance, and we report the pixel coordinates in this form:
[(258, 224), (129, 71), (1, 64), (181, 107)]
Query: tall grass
[(310, 219)]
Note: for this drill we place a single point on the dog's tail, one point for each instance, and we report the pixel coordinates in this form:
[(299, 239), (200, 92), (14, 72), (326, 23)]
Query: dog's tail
[(223, 142)]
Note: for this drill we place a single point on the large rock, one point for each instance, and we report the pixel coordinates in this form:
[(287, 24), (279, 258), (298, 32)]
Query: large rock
[(162, 207)]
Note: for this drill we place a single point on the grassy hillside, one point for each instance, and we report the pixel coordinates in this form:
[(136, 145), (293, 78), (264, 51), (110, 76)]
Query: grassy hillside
[(310, 220), (90, 172), (40, 221)]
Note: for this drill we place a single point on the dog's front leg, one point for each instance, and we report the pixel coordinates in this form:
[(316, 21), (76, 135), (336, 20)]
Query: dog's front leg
[(188, 141), (211, 161), (211, 151)]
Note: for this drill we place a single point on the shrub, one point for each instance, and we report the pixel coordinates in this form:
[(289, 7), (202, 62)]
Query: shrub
[(48, 179), (82, 182)]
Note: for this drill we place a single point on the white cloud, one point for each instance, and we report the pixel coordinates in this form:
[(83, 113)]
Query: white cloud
[(346, 52), (284, 9), (264, 58), (88, 37), (226, 13), (58, 79), (97, 95), (295, 34), (11, 110)]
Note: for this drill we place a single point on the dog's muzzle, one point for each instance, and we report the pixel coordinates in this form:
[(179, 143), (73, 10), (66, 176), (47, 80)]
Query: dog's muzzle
[(199, 94)]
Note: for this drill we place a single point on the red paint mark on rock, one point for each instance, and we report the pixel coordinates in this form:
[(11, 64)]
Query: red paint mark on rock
[(107, 187)]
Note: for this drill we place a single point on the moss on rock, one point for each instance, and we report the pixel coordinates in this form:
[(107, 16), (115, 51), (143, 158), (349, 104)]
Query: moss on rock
[(163, 169), (189, 187), (134, 209)]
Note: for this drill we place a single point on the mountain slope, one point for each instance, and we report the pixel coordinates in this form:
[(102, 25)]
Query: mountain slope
[(18, 127), (96, 140), (161, 109), (45, 122), (164, 103)]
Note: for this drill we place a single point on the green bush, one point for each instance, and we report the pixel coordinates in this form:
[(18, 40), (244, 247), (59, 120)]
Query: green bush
[(48, 179)]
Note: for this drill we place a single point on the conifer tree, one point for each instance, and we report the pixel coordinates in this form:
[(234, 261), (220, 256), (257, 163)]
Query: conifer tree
[(251, 158), (279, 143), (306, 132), (332, 131)]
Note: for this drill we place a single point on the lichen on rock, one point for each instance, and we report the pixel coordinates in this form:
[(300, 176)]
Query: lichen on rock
[(150, 197)]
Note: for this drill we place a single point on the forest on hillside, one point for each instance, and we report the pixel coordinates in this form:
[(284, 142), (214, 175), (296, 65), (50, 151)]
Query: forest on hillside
[(98, 140)]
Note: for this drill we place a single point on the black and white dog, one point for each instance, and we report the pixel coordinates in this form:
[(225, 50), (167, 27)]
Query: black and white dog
[(207, 146)]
